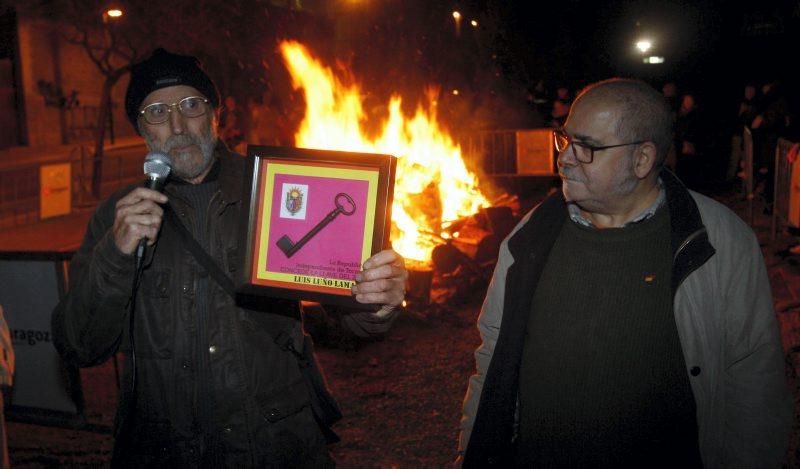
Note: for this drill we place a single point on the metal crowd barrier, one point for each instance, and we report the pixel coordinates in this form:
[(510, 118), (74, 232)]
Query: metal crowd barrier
[(786, 208), (748, 182), (513, 152), (20, 187)]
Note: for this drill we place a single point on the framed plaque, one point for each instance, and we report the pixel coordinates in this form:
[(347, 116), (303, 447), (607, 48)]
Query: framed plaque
[(314, 217)]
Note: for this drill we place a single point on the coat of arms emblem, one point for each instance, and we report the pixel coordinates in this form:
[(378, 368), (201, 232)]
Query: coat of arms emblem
[(294, 200)]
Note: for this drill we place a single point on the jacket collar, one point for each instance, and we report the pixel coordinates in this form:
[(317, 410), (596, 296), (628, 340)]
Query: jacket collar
[(688, 235), (683, 212), (546, 220), (685, 220)]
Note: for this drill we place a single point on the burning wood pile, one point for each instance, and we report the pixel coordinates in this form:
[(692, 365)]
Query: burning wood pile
[(462, 262), (442, 222)]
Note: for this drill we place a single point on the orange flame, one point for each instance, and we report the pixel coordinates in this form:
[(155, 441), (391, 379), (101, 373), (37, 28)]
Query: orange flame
[(432, 186)]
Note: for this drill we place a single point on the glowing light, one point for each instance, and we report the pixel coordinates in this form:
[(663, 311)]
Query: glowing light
[(474, 23), (433, 187), (114, 13), (644, 45), (456, 92), (457, 15), (654, 59)]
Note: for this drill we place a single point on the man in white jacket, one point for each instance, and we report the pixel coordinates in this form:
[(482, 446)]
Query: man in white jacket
[(629, 321)]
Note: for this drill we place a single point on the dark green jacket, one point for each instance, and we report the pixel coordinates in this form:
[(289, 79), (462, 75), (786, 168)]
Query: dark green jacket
[(224, 364)]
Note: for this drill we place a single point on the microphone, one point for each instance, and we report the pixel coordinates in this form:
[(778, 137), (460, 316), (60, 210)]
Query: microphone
[(157, 167)]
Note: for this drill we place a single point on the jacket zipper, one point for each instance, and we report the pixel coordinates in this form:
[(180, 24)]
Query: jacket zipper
[(687, 241)]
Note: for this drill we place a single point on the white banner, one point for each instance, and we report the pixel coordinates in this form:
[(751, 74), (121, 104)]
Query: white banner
[(29, 290)]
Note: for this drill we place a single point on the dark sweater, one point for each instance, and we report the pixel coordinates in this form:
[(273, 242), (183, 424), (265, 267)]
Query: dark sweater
[(603, 379)]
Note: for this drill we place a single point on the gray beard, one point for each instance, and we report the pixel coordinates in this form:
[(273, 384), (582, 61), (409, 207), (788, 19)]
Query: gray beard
[(182, 167)]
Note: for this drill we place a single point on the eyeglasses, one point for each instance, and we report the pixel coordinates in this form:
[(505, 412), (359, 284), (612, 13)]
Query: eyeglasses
[(581, 151), (158, 113)]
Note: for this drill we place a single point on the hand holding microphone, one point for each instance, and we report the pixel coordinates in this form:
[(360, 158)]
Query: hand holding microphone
[(138, 215)]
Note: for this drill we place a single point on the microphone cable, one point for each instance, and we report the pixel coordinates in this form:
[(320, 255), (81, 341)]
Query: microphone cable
[(157, 167)]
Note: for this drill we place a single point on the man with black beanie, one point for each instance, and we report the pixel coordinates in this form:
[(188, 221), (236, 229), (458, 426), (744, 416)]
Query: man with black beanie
[(207, 383)]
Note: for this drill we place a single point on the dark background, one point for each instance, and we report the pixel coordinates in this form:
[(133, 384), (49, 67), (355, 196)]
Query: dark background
[(711, 47)]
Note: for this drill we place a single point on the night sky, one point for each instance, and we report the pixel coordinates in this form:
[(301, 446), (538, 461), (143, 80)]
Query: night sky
[(702, 41), (711, 47)]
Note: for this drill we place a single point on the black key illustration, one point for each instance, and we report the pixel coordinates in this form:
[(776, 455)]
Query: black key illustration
[(344, 205)]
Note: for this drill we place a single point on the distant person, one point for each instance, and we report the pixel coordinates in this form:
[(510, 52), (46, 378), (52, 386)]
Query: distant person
[(563, 93), (670, 92), (691, 165), (746, 113), (748, 109), (558, 115), (208, 381), (534, 118), (771, 123), (6, 382), (560, 107), (540, 100), (630, 321)]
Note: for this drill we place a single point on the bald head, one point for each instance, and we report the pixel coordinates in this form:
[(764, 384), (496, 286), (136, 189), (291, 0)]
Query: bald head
[(642, 112)]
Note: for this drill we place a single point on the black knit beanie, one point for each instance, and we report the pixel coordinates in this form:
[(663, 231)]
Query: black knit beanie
[(165, 69)]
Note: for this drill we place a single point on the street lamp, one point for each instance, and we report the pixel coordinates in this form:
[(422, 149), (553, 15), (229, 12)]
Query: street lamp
[(457, 18), (644, 45), (112, 13)]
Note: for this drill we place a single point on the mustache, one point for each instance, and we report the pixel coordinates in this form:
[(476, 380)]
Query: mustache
[(177, 141), (566, 174)]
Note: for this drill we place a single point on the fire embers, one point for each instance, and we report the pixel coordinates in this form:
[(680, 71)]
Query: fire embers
[(463, 260)]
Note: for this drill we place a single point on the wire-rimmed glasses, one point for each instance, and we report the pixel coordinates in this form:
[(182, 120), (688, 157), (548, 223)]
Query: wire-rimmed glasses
[(190, 106)]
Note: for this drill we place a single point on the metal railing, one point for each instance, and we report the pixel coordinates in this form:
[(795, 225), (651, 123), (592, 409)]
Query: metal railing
[(512, 152), (19, 196), (748, 169), (20, 186), (496, 149), (786, 200)]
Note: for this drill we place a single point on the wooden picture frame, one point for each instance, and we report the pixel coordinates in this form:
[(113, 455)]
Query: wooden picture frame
[(314, 217)]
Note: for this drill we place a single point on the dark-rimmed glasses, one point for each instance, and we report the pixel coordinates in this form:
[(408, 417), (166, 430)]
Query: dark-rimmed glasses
[(582, 151), (190, 106)]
